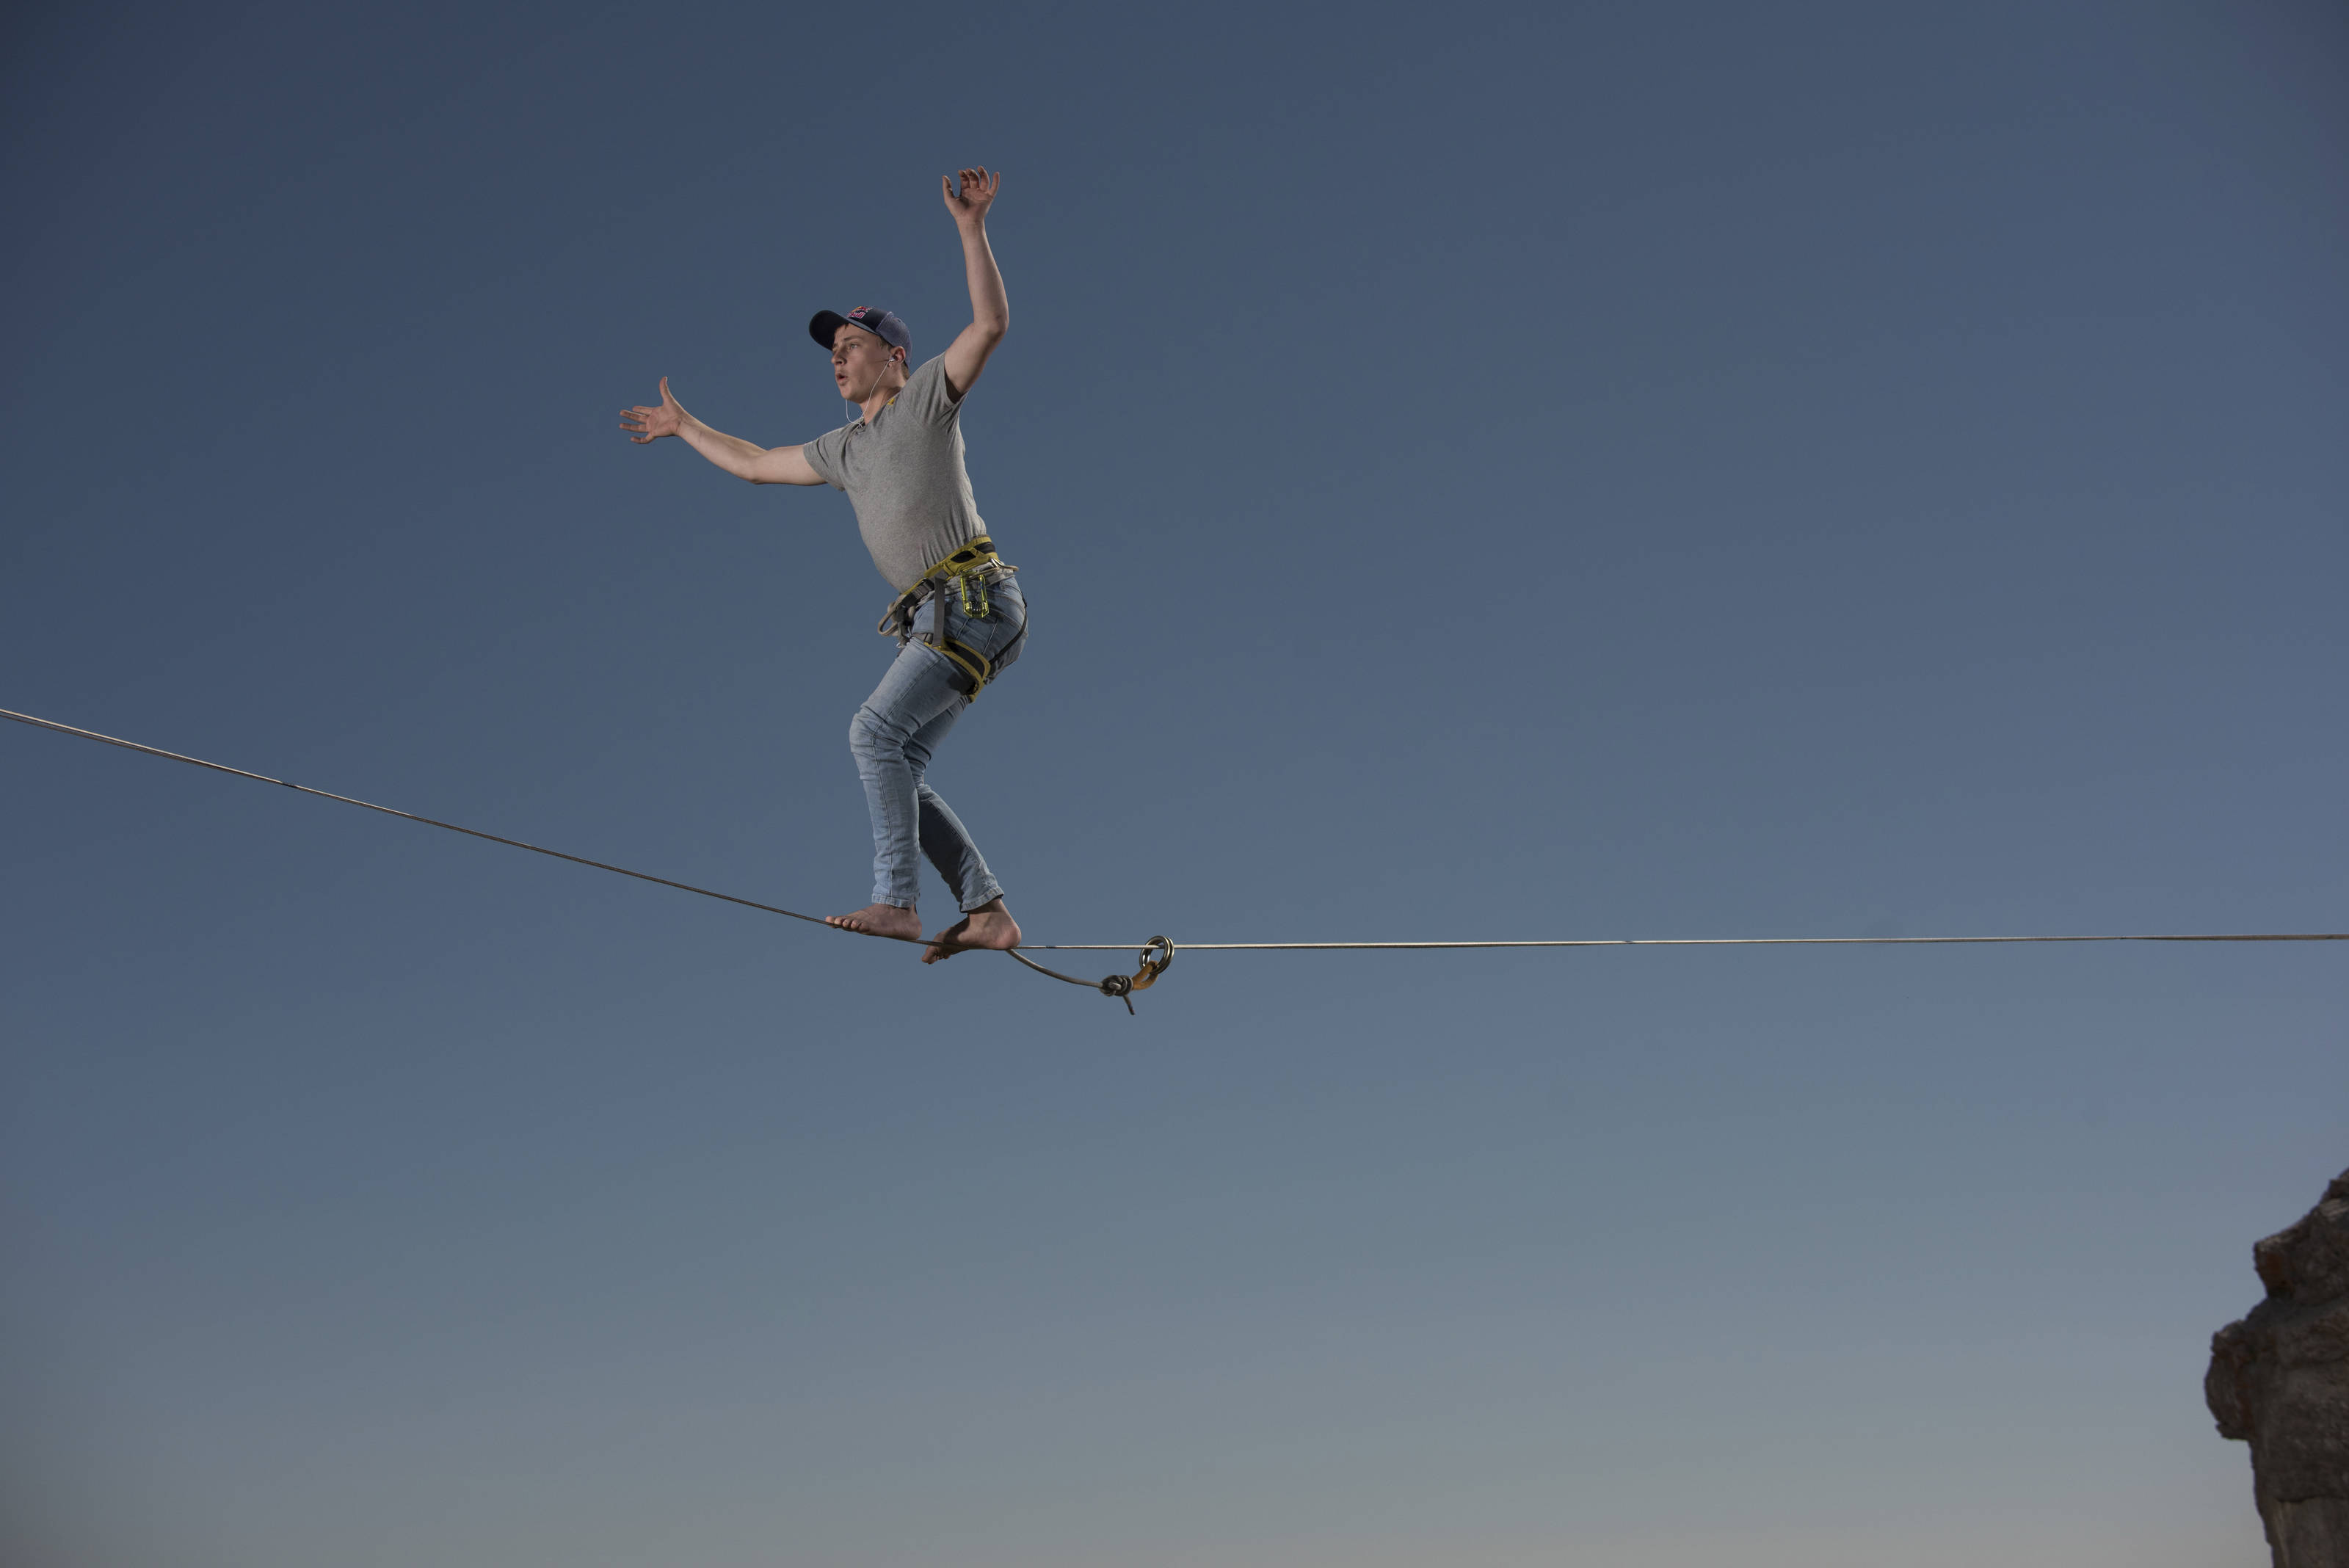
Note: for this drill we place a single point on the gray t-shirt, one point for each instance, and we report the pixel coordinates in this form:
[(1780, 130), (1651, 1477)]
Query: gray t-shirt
[(903, 471)]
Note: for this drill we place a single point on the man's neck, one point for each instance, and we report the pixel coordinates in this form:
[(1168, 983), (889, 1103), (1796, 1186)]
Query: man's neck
[(880, 398)]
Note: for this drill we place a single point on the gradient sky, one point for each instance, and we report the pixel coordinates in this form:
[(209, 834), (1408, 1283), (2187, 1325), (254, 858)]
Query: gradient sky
[(1670, 471)]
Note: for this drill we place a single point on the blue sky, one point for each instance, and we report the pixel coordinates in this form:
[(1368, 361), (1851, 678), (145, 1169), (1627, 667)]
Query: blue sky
[(1674, 471)]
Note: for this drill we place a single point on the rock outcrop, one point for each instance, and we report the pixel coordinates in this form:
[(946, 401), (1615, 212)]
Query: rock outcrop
[(2279, 1380)]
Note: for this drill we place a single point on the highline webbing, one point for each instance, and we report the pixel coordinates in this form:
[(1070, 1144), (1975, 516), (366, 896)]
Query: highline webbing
[(1158, 952)]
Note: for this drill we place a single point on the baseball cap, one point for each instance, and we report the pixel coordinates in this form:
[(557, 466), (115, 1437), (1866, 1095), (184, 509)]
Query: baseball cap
[(885, 325)]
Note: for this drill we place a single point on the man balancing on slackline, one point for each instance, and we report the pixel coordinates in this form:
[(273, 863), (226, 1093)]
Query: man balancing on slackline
[(958, 617)]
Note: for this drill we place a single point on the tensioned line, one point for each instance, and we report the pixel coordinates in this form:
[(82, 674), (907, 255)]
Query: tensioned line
[(427, 821), (1692, 942), (1123, 986)]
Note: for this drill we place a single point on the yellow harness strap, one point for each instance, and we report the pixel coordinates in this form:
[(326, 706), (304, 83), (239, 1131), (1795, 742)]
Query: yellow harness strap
[(973, 566)]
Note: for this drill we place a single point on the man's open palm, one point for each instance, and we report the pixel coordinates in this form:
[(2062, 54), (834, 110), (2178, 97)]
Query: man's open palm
[(977, 195), (651, 424)]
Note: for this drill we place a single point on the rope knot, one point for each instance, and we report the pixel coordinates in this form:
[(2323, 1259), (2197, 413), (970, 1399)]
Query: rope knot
[(1156, 954)]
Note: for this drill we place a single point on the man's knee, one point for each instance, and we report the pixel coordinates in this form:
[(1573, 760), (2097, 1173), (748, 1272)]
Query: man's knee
[(872, 735)]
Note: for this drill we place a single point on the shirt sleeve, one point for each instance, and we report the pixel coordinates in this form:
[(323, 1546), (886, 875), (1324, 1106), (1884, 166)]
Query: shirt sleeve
[(925, 396), (823, 455)]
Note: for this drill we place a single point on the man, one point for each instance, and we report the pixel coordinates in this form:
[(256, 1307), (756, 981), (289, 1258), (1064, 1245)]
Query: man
[(959, 615)]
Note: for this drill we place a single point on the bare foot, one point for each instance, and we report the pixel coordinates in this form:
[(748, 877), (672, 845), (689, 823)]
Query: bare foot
[(880, 921), (990, 926)]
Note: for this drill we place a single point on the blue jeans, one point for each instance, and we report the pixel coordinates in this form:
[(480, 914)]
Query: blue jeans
[(894, 736)]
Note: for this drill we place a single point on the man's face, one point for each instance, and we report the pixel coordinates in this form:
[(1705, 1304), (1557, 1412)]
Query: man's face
[(859, 360)]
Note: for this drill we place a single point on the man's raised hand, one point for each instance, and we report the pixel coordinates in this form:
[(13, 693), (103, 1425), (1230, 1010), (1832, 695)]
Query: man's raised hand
[(651, 424), (977, 195), (990, 311)]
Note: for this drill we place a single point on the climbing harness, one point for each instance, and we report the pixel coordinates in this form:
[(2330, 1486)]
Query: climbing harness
[(1158, 952), (969, 571)]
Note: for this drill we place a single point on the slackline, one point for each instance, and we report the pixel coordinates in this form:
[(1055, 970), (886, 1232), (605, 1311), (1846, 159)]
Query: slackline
[(1158, 952)]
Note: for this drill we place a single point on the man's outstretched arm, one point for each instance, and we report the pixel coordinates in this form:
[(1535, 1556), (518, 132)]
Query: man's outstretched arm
[(990, 311), (758, 464)]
